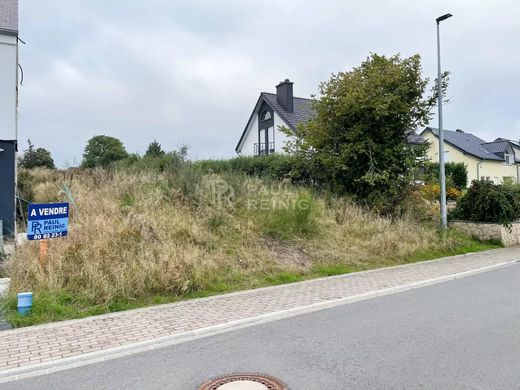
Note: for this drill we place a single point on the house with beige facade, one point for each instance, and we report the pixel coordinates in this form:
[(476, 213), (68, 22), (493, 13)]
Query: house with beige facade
[(497, 161)]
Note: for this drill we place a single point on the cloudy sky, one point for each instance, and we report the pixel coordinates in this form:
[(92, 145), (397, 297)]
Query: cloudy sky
[(189, 72)]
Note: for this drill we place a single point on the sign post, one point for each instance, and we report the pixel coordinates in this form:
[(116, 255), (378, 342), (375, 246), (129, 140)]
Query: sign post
[(44, 245), (45, 221)]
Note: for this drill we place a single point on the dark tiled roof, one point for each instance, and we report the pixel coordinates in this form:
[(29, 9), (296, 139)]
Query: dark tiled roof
[(467, 142), (415, 139), (9, 16), (515, 144), (302, 109), (496, 146)]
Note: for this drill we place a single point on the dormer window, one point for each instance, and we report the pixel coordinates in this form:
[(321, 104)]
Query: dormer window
[(266, 116), (510, 158)]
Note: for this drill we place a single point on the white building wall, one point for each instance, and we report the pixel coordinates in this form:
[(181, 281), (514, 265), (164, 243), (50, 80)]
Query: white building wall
[(251, 137), (280, 138), (8, 81)]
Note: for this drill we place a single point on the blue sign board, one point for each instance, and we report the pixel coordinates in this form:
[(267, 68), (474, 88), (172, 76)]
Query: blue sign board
[(49, 220)]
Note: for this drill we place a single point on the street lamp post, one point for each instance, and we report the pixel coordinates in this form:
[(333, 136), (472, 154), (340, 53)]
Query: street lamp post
[(442, 173)]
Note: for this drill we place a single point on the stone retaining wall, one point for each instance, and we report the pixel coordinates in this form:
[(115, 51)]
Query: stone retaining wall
[(484, 231)]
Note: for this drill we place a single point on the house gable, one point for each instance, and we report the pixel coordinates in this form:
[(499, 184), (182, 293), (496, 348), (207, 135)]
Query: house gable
[(261, 106), (285, 111)]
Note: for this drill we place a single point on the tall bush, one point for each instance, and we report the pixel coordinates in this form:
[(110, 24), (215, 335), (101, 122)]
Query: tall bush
[(357, 143)]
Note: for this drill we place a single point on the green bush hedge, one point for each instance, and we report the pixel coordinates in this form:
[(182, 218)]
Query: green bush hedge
[(275, 166), (456, 174), (488, 202)]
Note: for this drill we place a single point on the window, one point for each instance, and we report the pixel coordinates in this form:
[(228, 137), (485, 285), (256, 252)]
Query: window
[(510, 158), (266, 116)]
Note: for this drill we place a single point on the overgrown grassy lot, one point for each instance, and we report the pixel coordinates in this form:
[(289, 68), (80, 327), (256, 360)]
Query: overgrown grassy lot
[(147, 236)]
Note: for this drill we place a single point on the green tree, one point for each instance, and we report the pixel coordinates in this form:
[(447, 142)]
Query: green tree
[(357, 142), (154, 150), (33, 158), (102, 150)]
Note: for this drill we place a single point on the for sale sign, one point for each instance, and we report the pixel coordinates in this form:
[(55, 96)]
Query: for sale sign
[(49, 220)]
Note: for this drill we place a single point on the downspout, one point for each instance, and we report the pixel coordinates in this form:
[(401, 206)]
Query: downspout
[(478, 170), (518, 173)]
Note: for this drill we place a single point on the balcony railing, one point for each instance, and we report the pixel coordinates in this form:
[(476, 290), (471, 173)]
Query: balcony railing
[(264, 148)]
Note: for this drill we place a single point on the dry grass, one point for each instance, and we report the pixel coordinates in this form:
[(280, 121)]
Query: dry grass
[(147, 234)]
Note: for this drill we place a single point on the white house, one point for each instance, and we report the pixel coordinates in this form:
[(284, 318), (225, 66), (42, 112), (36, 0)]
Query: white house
[(8, 112), (262, 133)]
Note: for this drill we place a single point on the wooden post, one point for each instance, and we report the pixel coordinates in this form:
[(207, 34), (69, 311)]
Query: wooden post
[(44, 245)]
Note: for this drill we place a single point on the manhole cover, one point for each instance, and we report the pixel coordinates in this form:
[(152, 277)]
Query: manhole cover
[(244, 382)]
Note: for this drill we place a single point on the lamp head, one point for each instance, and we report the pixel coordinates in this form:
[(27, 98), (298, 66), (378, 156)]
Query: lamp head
[(443, 17)]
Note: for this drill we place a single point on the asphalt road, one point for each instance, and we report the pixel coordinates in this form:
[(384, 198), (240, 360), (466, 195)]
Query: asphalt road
[(462, 334)]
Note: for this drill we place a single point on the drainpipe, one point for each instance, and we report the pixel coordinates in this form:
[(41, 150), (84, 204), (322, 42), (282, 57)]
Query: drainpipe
[(478, 169), (518, 173)]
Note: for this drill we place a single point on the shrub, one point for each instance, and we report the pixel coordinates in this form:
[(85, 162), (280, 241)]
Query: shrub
[(274, 166), (488, 202), (431, 192), (453, 193), (456, 174)]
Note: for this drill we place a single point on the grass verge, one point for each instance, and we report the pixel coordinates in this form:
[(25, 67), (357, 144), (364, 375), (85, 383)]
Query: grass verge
[(52, 306), (143, 238)]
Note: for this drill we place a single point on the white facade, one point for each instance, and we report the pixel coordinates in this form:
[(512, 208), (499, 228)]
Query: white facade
[(8, 84), (247, 147)]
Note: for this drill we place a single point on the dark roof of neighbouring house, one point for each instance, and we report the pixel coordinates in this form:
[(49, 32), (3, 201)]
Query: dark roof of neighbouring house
[(467, 143), (415, 138), (9, 17), (303, 110), (497, 146), (515, 144)]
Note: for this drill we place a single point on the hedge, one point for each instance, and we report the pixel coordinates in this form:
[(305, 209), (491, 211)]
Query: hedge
[(488, 202)]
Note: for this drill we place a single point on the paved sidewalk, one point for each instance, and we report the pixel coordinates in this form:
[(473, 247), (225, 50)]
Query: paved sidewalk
[(41, 346)]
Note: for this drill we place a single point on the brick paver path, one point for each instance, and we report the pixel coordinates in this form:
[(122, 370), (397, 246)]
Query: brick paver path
[(28, 346)]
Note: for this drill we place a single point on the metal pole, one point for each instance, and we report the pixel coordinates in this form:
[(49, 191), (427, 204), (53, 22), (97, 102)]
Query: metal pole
[(442, 173)]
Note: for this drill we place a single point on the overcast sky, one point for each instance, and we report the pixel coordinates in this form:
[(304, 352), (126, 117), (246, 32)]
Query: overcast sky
[(189, 72)]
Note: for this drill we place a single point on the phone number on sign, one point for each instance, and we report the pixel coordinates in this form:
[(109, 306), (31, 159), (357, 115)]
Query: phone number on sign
[(47, 235)]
